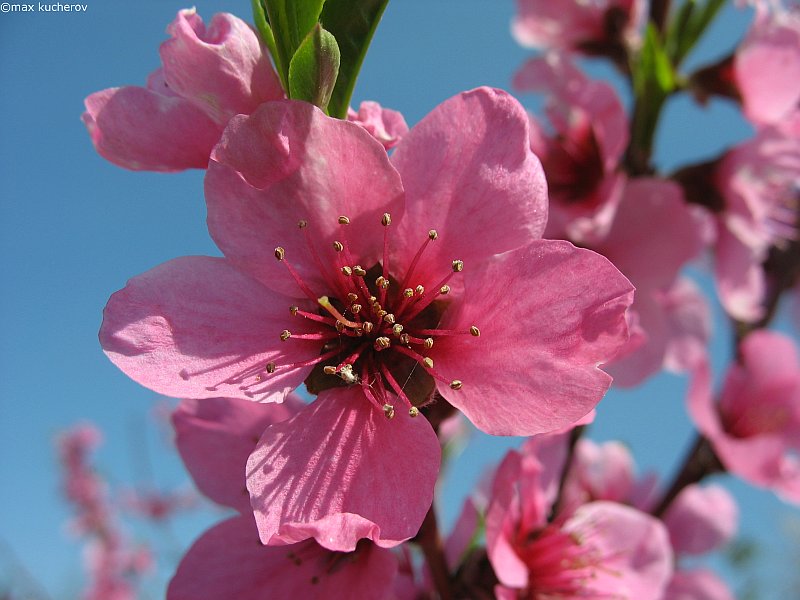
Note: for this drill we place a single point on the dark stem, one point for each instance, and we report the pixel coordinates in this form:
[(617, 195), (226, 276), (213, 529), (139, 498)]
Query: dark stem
[(574, 436), (431, 543), (700, 462), (659, 9)]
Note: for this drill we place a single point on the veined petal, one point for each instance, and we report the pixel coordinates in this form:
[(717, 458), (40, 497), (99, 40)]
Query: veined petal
[(469, 173), (340, 471), (140, 129), (287, 163), (228, 561), (534, 367), (196, 327), (215, 436)]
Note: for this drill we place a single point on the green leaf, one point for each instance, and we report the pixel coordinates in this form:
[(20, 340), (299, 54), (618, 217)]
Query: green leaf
[(688, 26), (265, 31), (314, 67), (291, 21), (353, 23)]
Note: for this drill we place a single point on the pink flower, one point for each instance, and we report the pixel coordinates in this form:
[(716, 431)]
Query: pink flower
[(755, 428), (373, 307), (215, 437), (767, 65), (603, 549), (701, 519), (697, 584), (581, 156), (593, 27), (757, 181), (208, 75), (654, 234), (385, 125)]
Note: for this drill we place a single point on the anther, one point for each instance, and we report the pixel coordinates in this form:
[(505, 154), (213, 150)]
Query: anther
[(368, 326), (433, 234), (445, 289), (475, 331), (280, 253), (285, 335), (381, 313), (329, 370), (456, 384), (419, 290), (413, 412), (408, 292), (382, 282), (397, 329), (428, 362), (428, 343), (293, 310), (389, 318), (458, 266), (347, 270), (270, 367), (386, 220), (381, 343), (339, 326), (359, 271), (356, 308), (372, 299), (352, 297), (344, 220), (338, 246), (388, 411), (405, 339), (302, 223)]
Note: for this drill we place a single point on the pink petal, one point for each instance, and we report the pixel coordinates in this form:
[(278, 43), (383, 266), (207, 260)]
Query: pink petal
[(599, 472), (384, 124), (222, 69), (228, 562), (554, 313), (289, 162), (196, 327), (698, 584), (701, 519), (464, 164), (139, 129), (215, 436), (340, 471), (740, 280), (637, 558)]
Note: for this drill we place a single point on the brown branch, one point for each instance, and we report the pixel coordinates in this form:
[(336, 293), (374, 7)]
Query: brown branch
[(430, 542)]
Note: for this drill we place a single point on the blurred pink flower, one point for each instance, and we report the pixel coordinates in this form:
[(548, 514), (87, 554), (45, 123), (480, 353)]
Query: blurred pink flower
[(581, 155), (592, 27), (208, 75), (755, 428), (602, 549), (766, 65)]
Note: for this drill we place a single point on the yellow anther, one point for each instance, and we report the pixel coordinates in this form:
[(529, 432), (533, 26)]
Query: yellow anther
[(359, 271), (356, 308), (338, 246), (388, 411), (302, 223), (344, 220), (381, 343), (293, 310), (397, 329), (352, 297), (458, 266), (386, 220), (389, 318), (405, 339), (419, 290), (408, 292), (270, 367), (285, 335), (381, 313), (456, 384), (368, 327), (413, 412), (475, 331), (280, 253), (347, 270), (433, 234), (329, 370), (428, 362), (445, 289), (428, 343)]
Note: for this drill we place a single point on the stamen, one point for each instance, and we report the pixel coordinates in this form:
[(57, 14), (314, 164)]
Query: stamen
[(388, 411), (428, 362), (458, 266), (280, 254), (389, 318), (368, 327), (285, 335), (343, 220), (302, 224), (312, 316), (456, 384), (398, 389), (347, 270), (386, 220), (352, 297), (413, 412), (432, 235), (397, 329), (337, 246), (475, 331), (445, 289), (325, 303), (358, 271), (270, 367), (381, 343)]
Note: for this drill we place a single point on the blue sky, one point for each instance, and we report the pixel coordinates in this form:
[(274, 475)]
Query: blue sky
[(73, 228)]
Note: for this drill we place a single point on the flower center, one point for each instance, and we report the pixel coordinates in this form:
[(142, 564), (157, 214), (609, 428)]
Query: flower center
[(375, 332)]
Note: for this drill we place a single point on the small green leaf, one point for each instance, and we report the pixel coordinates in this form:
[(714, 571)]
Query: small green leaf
[(314, 68), (353, 23), (688, 26), (291, 21), (265, 31)]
